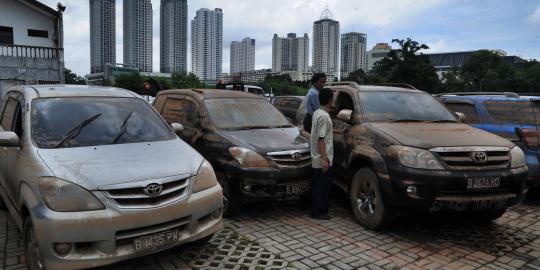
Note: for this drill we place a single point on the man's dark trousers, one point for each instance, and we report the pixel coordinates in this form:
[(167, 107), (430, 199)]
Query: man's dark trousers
[(320, 195), (308, 119)]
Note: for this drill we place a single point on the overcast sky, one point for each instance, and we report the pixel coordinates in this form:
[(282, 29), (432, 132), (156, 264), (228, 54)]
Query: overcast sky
[(445, 25)]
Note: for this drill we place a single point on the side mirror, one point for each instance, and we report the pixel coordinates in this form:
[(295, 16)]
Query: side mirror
[(461, 117), (9, 139), (345, 115), (519, 132), (177, 128)]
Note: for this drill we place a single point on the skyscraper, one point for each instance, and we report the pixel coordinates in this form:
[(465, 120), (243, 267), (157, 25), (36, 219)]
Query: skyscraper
[(243, 55), (102, 34), (326, 44), (138, 34), (290, 53), (173, 35), (207, 44), (353, 53)]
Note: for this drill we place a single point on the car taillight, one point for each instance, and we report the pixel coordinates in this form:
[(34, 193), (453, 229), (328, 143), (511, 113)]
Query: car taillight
[(530, 137)]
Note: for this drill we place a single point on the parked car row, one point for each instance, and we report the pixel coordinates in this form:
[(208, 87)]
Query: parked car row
[(96, 175)]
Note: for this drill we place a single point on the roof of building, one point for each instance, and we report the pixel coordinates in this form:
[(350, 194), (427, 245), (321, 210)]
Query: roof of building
[(40, 6), (59, 90)]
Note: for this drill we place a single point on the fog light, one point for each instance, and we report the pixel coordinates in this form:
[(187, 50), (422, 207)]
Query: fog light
[(412, 191), (62, 248), (247, 188), (216, 214)]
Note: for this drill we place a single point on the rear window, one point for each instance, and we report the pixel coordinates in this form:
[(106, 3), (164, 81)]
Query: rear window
[(511, 112), (469, 110)]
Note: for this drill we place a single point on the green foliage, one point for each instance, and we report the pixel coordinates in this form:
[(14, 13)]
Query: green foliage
[(487, 71), (133, 82), (358, 76), (405, 65), (72, 78), (283, 85), (528, 78), (182, 80)]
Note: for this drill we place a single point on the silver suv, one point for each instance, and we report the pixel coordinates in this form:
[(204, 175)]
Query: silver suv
[(93, 176)]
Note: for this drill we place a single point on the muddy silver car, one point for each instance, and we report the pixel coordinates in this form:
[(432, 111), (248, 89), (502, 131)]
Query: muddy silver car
[(93, 176)]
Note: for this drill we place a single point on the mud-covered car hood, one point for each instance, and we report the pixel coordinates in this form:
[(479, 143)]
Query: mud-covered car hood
[(268, 140), (95, 167), (430, 135)]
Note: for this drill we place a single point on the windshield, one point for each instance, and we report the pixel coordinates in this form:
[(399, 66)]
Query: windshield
[(512, 112), (403, 106), (244, 113), (79, 122)]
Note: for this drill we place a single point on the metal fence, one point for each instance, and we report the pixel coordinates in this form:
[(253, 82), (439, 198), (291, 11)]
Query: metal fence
[(29, 51)]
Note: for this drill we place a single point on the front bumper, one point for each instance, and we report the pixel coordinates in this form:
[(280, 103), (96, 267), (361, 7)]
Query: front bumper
[(107, 236), (438, 190), (270, 184)]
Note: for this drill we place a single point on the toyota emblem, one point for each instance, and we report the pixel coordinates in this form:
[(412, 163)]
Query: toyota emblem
[(296, 156), (153, 190), (479, 157)]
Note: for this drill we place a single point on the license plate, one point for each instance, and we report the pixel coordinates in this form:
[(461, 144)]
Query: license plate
[(157, 240), (297, 188), (483, 182)]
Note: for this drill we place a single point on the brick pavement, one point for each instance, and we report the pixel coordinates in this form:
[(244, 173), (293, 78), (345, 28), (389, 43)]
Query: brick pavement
[(277, 236)]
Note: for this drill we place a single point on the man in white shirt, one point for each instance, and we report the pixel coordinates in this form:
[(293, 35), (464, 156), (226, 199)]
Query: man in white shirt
[(322, 154)]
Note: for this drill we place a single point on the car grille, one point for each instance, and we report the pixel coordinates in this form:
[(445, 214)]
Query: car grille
[(463, 158), (128, 236), (291, 158), (136, 196)]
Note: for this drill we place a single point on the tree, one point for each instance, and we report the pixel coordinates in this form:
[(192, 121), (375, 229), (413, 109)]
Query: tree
[(130, 81), (452, 81), (72, 78), (487, 71), (182, 80), (405, 65), (282, 85), (528, 78), (358, 76)]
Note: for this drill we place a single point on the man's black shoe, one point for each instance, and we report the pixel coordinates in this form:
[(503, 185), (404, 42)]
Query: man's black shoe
[(321, 217)]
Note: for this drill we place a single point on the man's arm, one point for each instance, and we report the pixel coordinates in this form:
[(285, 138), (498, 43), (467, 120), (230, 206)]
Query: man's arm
[(324, 158)]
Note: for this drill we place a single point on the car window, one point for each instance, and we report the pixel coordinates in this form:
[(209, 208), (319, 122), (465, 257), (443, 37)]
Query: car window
[(9, 114), (17, 122), (256, 91), (115, 120), (471, 115), (343, 102), (278, 102), (181, 111), (511, 112), (390, 106), (294, 103), (245, 113)]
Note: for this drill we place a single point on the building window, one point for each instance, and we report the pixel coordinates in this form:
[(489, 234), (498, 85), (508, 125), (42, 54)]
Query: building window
[(6, 35), (38, 33)]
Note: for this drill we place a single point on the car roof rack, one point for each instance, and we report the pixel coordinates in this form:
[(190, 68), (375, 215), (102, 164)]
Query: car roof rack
[(506, 94), (347, 83), (403, 85)]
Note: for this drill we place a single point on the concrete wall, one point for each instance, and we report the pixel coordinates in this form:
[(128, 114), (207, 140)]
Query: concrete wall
[(22, 17), (31, 70)]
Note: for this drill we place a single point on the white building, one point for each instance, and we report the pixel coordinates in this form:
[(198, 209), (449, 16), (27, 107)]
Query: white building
[(31, 43), (326, 45), (378, 53), (243, 55), (138, 34), (353, 53), (207, 44), (102, 34), (290, 54), (173, 36)]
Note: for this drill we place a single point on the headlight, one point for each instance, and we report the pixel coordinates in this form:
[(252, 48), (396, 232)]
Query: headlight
[(415, 157), (63, 196), (518, 158), (248, 158), (205, 178)]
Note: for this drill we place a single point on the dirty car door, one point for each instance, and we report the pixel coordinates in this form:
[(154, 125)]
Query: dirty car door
[(11, 121)]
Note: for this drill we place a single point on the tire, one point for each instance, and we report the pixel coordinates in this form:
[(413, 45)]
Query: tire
[(367, 203), (31, 247), (487, 216), (231, 196)]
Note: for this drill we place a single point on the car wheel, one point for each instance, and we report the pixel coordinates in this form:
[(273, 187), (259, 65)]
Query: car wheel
[(31, 247), (367, 202), (230, 195), (487, 216)]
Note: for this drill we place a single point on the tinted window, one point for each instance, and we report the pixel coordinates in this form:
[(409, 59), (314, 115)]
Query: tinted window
[(469, 110), (6, 35), (53, 118), (396, 106), (181, 111), (256, 91), (511, 112), (9, 114), (236, 114)]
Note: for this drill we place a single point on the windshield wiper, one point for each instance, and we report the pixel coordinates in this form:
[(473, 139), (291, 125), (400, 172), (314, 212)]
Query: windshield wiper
[(442, 121), (76, 130), (123, 128)]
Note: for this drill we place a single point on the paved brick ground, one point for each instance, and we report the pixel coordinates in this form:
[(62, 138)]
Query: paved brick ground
[(282, 236)]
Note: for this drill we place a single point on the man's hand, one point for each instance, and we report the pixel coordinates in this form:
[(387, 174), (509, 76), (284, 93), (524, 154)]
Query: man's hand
[(325, 165)]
